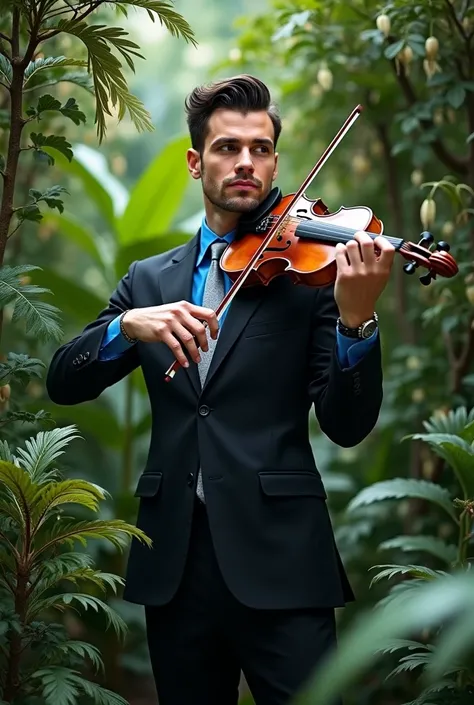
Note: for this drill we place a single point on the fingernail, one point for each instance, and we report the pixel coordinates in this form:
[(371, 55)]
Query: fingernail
[(186, 364)]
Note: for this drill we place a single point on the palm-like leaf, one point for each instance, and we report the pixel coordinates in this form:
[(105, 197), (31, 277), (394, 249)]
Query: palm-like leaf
[(48, 63), (169, 18), (83, 574), (454, 421), (109, 83), (414, 571), (56, 494), (81, 649), (393, 645), (116, 531), (66, 600), (63, 686), (401, 488), (40, 453), (41, 320), (428, 544)]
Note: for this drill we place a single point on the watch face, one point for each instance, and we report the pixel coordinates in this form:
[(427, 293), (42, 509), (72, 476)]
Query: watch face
[(369, 329)]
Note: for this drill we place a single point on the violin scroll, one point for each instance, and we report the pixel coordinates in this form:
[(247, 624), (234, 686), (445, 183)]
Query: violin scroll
[(437, 262)]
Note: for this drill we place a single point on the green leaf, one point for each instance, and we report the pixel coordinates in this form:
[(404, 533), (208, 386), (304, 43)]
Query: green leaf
[(6, 71), (31, 212), (77, 301), (84, 651), (58, 685), (457, 452), (167, 15), (393, 645), (454, 421), (415, 571), (106, 192), (157, 196), (40, 319), (57, 142), (401, 488), (49, 103), (456, 96), (41, 451), (47, 64), (68, 227), (20, 367), (109, 82), (393, 49), (427, 606), (409, 663), (428, 544)]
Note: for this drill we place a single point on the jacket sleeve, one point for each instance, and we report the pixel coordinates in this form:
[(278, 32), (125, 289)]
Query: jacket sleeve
[(346, 401), (76, 372)]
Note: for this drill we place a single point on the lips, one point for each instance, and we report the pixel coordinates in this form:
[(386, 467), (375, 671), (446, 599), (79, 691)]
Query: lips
[(243, 185)]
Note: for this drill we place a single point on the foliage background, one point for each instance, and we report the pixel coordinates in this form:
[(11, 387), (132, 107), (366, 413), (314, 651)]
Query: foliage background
[(320, 63)]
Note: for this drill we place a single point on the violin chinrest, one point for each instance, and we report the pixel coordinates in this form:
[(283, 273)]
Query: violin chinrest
[(250, 221)]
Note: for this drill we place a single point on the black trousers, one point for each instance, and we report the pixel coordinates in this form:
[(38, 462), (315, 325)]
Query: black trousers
[(202, 639)]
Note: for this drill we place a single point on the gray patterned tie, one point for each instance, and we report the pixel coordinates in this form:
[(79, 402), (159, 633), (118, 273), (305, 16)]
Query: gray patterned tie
[(213, 294)]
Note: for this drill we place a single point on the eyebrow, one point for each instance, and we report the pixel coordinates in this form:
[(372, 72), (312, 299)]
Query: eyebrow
[(235, 140)]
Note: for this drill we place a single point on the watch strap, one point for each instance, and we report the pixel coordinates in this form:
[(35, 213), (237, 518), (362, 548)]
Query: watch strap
[(355, 332)]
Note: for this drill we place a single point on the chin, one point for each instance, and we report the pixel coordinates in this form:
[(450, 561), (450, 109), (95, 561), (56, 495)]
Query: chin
[(242, 205)]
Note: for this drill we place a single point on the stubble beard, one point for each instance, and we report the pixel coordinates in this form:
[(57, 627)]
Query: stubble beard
[(237, 204)]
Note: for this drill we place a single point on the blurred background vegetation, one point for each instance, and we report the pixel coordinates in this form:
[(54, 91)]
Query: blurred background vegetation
[(410, 157)]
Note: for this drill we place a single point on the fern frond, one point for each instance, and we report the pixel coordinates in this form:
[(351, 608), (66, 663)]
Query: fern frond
[(56, 494), (437, 689), (410, 662), (63, 686), (81, 649), (41, 451), (66, 600), (415, 571), (454, 421), (396, 644), (116, 531), (78, 78), (40, 319), (17, 483), (427, 544), (401, 488)]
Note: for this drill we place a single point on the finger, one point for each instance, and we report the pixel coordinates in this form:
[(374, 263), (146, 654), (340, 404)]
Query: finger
[(208, 315), (197, 329), (387, 250), (367, 248), (175, 347), (189, 341), (354, 255), (342, 260)]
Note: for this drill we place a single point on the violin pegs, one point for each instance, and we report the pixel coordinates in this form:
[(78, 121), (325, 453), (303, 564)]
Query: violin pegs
[(443, 246), (426, 238), (426, 279), (409, 267)]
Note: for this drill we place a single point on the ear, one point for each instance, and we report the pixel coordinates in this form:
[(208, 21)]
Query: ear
[(194, 163), (275, 170)]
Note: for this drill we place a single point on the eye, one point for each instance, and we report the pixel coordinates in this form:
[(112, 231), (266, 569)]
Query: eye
[(227, 148), (262, 149)]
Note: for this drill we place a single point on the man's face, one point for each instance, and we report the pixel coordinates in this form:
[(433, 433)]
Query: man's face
[(238, 163)]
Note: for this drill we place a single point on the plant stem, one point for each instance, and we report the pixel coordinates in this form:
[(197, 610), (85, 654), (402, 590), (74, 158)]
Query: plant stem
[(12, 681)]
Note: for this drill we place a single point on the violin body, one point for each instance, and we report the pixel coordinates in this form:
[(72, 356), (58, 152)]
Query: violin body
[(304, 261)]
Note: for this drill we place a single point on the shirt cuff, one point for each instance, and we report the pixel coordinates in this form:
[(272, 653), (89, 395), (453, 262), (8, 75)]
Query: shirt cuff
[(113, 343), (349, 352)]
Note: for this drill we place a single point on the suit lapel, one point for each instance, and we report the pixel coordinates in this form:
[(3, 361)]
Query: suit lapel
[(176, 284), (240, 310)]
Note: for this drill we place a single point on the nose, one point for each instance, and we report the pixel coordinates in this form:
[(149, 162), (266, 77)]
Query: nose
[(244, 162)]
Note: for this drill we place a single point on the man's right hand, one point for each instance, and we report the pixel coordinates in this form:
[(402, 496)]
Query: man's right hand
[(172, 323)]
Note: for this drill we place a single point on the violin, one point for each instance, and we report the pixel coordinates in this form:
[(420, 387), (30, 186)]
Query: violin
[(300, 236)]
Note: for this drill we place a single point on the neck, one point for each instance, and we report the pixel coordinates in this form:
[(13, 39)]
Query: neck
[(220, 221)]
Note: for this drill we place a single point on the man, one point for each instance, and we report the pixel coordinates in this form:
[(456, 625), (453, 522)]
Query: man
[(244, 572)]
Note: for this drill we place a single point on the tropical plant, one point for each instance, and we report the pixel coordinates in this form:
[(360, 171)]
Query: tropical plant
[(38, 558), (434, 602)]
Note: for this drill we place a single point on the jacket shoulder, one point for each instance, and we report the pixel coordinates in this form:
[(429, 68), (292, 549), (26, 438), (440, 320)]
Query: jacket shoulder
[(163, 259)]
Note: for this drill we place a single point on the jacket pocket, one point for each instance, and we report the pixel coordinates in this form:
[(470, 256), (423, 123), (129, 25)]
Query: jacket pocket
[(148, 484), (258, 328), (298, 483)]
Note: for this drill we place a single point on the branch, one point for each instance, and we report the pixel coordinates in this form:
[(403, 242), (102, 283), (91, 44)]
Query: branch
[(453, 162), (4, 36), (458, 24), (460, 363)]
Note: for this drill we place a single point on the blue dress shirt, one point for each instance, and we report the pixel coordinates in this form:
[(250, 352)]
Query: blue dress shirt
[(114, 344)]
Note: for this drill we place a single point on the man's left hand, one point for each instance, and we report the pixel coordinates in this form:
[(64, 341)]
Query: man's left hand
[(362, 275)]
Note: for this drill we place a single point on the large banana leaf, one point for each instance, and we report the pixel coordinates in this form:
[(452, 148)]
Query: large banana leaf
[(141, 249), (69, 227), (157, 195)]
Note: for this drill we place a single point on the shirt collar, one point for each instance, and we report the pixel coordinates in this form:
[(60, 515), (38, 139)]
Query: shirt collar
[(207, 237)]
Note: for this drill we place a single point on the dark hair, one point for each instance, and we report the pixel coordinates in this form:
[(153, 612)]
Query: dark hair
[(241, 93)]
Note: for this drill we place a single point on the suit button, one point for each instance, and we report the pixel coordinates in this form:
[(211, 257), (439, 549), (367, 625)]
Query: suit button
[(80, 357), (75, 361), (190, 479), (204, 410), (86, 355)]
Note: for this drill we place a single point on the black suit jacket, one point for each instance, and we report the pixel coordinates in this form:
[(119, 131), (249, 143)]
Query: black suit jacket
[(247, 428)]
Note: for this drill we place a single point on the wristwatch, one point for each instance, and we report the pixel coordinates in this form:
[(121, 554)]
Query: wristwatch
[(365, 330)]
